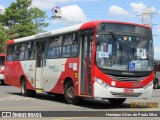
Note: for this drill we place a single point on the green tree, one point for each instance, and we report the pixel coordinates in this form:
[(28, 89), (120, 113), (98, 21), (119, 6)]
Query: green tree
[(3, 38), (23, 20)]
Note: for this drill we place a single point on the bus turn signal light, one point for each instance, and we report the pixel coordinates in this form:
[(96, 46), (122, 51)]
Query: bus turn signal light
[(76, 75)]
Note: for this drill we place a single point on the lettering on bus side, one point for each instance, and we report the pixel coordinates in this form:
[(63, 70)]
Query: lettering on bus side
[(43, 35), (54, 68), (30, 69)]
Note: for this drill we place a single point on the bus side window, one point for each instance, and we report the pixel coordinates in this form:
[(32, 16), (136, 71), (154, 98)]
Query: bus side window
[(32, 51), (22, 51), (70, 45), (54, 47), (10, 52)]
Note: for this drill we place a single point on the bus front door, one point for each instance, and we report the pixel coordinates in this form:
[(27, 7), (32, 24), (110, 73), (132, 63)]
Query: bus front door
[(86, 56), (39, 64)]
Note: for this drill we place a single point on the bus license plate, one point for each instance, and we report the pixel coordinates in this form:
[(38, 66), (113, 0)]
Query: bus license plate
[(128, 91)]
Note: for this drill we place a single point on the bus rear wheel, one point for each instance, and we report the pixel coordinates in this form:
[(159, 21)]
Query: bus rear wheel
[(2, 82), (116, 101), (69, 93), (25, 91)]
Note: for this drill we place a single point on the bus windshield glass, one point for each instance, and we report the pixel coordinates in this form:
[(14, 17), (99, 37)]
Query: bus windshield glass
[(124, 52)]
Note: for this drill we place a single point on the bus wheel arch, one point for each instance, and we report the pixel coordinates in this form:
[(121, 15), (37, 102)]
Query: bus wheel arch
[(69, 92), (24, 90)]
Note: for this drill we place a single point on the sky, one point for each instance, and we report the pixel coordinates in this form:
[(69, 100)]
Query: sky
[(80, 11)]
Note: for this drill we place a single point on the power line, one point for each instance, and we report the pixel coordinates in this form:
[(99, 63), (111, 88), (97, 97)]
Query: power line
[(147, 17)]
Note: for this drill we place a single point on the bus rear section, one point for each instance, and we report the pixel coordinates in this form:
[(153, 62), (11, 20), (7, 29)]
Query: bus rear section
[(2, 59), (107, 60)]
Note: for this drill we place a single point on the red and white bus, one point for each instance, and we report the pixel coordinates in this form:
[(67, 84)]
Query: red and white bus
[(2, 59), (100, 59)]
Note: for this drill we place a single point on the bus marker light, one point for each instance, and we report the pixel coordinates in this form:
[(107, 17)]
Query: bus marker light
[(113, 83), (76, 75)]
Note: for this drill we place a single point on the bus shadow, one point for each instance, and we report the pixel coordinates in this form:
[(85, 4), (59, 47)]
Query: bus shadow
[(3, 84), (99, 104), (87, 103), (43, 96)]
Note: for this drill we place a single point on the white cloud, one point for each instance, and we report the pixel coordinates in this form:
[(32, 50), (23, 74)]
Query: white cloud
[(119, 11), (49, 4), (2, 9), (44, 4), (72, 14), (141, 7)]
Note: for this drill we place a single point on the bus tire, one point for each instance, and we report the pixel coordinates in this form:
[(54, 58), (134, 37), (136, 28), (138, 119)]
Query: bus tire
[(69, 96), (2, 82), (116, 101), (155, 85), (25, 91)]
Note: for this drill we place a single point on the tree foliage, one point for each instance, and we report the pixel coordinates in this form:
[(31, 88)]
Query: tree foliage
[(23, 20), (3, 38)]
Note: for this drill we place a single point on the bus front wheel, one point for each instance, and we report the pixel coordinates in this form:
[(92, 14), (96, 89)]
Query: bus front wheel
[(155, 84), (116, 101), (69, 92), (25, 91)]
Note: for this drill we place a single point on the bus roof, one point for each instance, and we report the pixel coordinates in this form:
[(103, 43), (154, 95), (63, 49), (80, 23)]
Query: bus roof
[(71, 29)]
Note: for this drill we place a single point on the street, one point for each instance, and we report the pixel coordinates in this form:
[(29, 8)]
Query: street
[(11, 100)]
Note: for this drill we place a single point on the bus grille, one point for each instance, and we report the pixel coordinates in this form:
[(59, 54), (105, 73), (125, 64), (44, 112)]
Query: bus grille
[(126, 95), (127, 79)]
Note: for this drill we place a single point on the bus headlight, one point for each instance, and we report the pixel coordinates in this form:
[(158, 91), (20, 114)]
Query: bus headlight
[(101, 82), (148, 85)]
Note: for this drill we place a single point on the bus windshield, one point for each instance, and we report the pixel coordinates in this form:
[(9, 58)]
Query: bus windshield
[(2, 58), (124, 52)]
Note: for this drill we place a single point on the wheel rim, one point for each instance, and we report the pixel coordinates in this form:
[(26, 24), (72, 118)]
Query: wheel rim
[(71, 92), (23, 88)]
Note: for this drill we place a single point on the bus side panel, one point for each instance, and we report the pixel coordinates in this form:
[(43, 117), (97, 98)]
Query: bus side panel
[(70, 70), (13, 73), (52, 71), (29, 73)]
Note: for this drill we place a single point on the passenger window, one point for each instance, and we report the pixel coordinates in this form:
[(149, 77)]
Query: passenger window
[(70, 45), (11, 52), (54, 47)]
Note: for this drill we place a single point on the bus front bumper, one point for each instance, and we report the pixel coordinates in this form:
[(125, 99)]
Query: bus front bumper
[(113, 92)]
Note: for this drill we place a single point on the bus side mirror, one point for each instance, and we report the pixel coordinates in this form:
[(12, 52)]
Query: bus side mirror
[(97, 40)]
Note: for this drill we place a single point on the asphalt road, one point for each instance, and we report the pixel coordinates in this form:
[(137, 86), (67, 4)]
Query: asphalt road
[(11, 100)]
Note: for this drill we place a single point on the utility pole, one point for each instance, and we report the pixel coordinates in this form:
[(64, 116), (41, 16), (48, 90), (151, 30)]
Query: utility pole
[(147, 16)]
